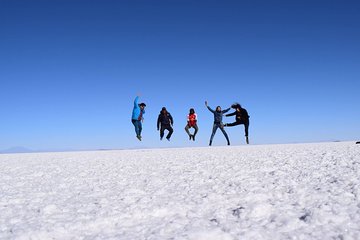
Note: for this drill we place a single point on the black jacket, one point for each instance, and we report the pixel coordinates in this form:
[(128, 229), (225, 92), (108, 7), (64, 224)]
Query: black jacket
[(165, 120), (241, 116)]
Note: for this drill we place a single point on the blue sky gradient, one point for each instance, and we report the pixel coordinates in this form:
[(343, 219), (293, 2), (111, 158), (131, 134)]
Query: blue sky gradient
[(70, 70)]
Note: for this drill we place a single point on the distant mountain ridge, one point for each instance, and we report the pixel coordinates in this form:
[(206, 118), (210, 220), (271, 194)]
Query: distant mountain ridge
[(17, 150)]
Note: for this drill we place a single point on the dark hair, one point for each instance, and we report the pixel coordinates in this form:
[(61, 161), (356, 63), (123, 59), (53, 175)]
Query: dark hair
[(142, 104), (192, 111), (236, 105), (163, 110)]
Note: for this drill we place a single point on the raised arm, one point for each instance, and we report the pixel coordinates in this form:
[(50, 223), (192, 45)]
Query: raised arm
[(136, 101), (211, 110)]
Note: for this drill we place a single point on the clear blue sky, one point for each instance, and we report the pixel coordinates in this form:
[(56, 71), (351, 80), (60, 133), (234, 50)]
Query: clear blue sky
[(70, 70)]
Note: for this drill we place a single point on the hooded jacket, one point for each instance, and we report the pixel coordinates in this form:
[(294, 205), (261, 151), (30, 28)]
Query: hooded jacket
[(165, 119)]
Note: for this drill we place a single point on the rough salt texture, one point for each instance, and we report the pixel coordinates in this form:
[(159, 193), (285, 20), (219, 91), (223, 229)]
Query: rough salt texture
[(300, 191)]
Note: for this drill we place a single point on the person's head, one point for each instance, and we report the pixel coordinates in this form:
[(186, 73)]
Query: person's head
[(236, 106), (192, 111), (142, 106), (163, 110), (218, 109)]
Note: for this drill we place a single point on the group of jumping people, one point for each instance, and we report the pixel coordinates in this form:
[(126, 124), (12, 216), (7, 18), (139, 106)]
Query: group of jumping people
[(165, 121)]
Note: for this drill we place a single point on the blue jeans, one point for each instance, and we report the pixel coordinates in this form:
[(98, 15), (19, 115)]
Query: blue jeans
[(138, 126), (215, 127)]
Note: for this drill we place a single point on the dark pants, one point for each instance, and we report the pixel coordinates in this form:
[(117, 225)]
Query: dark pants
[(187, 127), (138, 126), (246, 125), (215, 127), (166, 127)]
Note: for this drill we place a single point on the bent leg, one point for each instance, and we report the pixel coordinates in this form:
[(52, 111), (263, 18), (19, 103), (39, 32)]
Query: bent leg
[(162, 129), (140, 127), (136, 125), (196, 129), (187, 129), (232, 124), (171, 130)]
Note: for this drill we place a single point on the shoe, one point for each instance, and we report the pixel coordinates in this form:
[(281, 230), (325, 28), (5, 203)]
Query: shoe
[(190, 136), (228, 143), (168, 139), (193, 136), (161, 138), (138, 137), (247, 140), (210, 143)]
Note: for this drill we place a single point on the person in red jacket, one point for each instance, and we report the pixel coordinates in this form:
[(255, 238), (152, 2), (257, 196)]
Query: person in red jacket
[(191, 123)]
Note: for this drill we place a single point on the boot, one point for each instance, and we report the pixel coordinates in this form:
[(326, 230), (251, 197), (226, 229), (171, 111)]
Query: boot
[(247, 140)]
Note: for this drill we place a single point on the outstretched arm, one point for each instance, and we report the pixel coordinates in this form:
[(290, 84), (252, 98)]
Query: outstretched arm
[(226, 110), (230, 114)]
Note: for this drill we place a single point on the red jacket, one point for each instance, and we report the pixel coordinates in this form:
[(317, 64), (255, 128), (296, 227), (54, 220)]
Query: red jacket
[(192, 119)]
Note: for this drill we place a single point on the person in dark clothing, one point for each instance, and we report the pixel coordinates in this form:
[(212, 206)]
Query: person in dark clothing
[(241, 117), (218, 122), (137, 117), (165, 122), (191, 123)]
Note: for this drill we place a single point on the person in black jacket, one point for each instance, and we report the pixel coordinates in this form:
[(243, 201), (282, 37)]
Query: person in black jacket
[(241, 117), (218, 122), (165, 121)]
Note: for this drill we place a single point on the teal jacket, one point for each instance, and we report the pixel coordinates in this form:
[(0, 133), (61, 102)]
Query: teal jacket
[(136, 110)]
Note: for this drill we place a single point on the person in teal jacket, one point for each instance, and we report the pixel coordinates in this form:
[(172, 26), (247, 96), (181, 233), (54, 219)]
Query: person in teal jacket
[(138, 117)]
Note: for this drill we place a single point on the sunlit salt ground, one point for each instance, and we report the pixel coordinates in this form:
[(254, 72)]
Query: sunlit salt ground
[(301, 191)]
